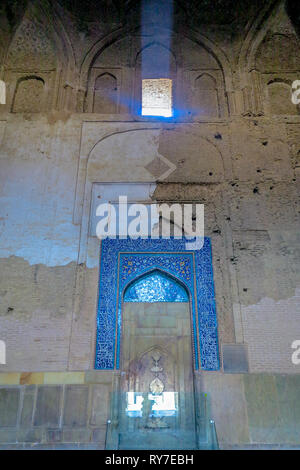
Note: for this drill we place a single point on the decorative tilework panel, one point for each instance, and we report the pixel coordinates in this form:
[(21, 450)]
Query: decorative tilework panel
[(178, 265), (155, 287), (124, 260)]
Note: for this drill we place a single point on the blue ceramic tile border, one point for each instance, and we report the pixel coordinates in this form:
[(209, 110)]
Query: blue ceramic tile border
[(146, 255)]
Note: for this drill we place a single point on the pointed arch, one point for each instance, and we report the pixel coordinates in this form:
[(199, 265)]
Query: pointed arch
[(156, 348), (255, 36), (105, 94), (19, 16), (206, 95), (155, 285), (156, 60), (277, 52), (208, 82), (120, 33), (251, 78), (61, 38), (30, 95), (65, 96), (123, 259), (279, 93), (50, 54)]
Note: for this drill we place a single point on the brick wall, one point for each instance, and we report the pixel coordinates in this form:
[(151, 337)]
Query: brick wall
[(270, 327)]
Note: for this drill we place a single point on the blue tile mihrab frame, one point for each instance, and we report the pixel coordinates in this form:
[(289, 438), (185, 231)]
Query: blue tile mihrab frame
[(124, 260)]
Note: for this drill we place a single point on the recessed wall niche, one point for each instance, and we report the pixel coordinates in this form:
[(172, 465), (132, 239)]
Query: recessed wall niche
[(103, 95), (29, 95), (277, 62), (279, 94), (206, 95)]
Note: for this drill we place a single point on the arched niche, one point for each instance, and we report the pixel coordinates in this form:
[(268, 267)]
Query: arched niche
[(29, 95), (110, 69), (138, 369), (270, 46), (42, 47), (32, 46), (278, 52), (206, 96), (134, 258), (119, 157), (203, 93), (123, 156), (279, 95), (105, 94), (277, 62), (120, 52), (154, 61)]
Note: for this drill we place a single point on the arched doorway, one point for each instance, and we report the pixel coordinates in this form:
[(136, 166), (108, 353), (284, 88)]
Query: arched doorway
[(145, 334), (156, 384)]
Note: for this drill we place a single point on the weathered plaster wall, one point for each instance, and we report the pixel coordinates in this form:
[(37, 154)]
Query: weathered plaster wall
[(262, 409), (54, 410), (251, 411), (252, 217)]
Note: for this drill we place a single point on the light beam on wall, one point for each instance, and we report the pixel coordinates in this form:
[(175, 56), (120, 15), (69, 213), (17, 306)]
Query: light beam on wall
[(157, 97), (156, 58)]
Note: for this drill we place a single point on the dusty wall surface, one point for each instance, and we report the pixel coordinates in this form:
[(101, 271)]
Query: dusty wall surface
[(262, 409), (251, 411), (50, 266), (55, 410), (239, 155)]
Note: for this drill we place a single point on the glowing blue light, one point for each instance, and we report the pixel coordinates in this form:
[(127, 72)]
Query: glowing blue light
[(157, 97), (157, 112)]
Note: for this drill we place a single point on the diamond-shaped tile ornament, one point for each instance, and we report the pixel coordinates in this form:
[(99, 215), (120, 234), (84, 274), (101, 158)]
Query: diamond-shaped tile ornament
[(160, 167)]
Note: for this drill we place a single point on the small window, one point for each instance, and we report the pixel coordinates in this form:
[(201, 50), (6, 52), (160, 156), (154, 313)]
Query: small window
[(157, 97)]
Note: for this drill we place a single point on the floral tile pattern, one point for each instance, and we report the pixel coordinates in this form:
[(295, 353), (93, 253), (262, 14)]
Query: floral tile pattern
[(125, 260), (155, 287)]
